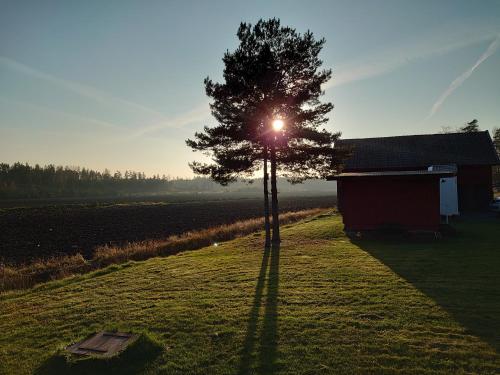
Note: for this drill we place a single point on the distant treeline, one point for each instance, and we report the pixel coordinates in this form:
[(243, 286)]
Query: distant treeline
[(24, 181)]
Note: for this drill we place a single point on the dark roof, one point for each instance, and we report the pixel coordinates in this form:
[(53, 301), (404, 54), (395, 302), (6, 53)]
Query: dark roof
[(394, 173), (420, 151)]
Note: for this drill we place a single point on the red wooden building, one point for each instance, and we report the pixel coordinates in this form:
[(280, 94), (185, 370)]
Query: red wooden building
[(386, 181), (407, 200)]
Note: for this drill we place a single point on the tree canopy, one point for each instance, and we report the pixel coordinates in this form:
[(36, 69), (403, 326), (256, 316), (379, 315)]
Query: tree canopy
[(496, 169), (470, 127), (496, 139), (273, 73)]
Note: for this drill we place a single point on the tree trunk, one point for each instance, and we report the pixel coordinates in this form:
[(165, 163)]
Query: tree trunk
[(267, 223), (274, 197)]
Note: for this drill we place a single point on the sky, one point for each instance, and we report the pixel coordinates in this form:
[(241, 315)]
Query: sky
[(119, 84)]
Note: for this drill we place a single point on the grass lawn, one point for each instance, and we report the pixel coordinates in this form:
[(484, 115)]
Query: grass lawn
[(320, 304)]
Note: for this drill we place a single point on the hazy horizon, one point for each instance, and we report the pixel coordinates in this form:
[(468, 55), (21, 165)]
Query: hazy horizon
[(119, 85)]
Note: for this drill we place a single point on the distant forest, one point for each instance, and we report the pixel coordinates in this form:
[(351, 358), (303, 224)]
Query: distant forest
[(22, 181)]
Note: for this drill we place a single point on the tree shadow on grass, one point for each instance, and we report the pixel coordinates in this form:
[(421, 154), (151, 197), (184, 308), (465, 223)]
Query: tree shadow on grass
[(461, 274), (265, 361)]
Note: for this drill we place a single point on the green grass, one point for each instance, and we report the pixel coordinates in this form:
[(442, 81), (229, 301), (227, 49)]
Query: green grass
[(319, 304)]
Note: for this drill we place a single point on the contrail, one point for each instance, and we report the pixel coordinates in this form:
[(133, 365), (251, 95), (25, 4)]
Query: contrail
[(492, 48), (161, 121), (45, 109), (416, 50), (78, 88), (197, 114)]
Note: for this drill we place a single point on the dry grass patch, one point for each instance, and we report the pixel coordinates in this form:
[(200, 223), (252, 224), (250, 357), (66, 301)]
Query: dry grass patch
[(106, 255), (25, 276), (28, 275)]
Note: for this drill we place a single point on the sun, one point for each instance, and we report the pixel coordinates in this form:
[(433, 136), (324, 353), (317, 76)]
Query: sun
[(278, 125)]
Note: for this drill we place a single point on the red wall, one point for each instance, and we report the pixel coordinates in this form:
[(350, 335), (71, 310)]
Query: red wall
[(475, 187), (408, 202)]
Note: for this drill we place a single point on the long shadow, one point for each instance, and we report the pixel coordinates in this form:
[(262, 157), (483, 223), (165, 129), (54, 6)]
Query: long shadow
[(460, 274), (268, 339), (269, 335)]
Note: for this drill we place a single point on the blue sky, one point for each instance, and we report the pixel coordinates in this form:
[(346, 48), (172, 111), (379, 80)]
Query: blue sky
[(119, 84)]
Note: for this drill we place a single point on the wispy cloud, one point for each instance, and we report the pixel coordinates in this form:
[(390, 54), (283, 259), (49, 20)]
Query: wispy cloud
[(198, 114), (156, 120), (428, 46), (59, 113), (78, 88), (457, 82)]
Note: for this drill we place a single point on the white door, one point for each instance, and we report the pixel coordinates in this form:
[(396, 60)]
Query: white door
[(448, 196)]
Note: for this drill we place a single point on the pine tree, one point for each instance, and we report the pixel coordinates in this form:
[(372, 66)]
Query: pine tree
[(470, 127), (496, 139), (274, 74), (496, 169)]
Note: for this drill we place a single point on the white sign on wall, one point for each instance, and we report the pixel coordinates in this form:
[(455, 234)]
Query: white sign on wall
[(448, 196), (448, 191)]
